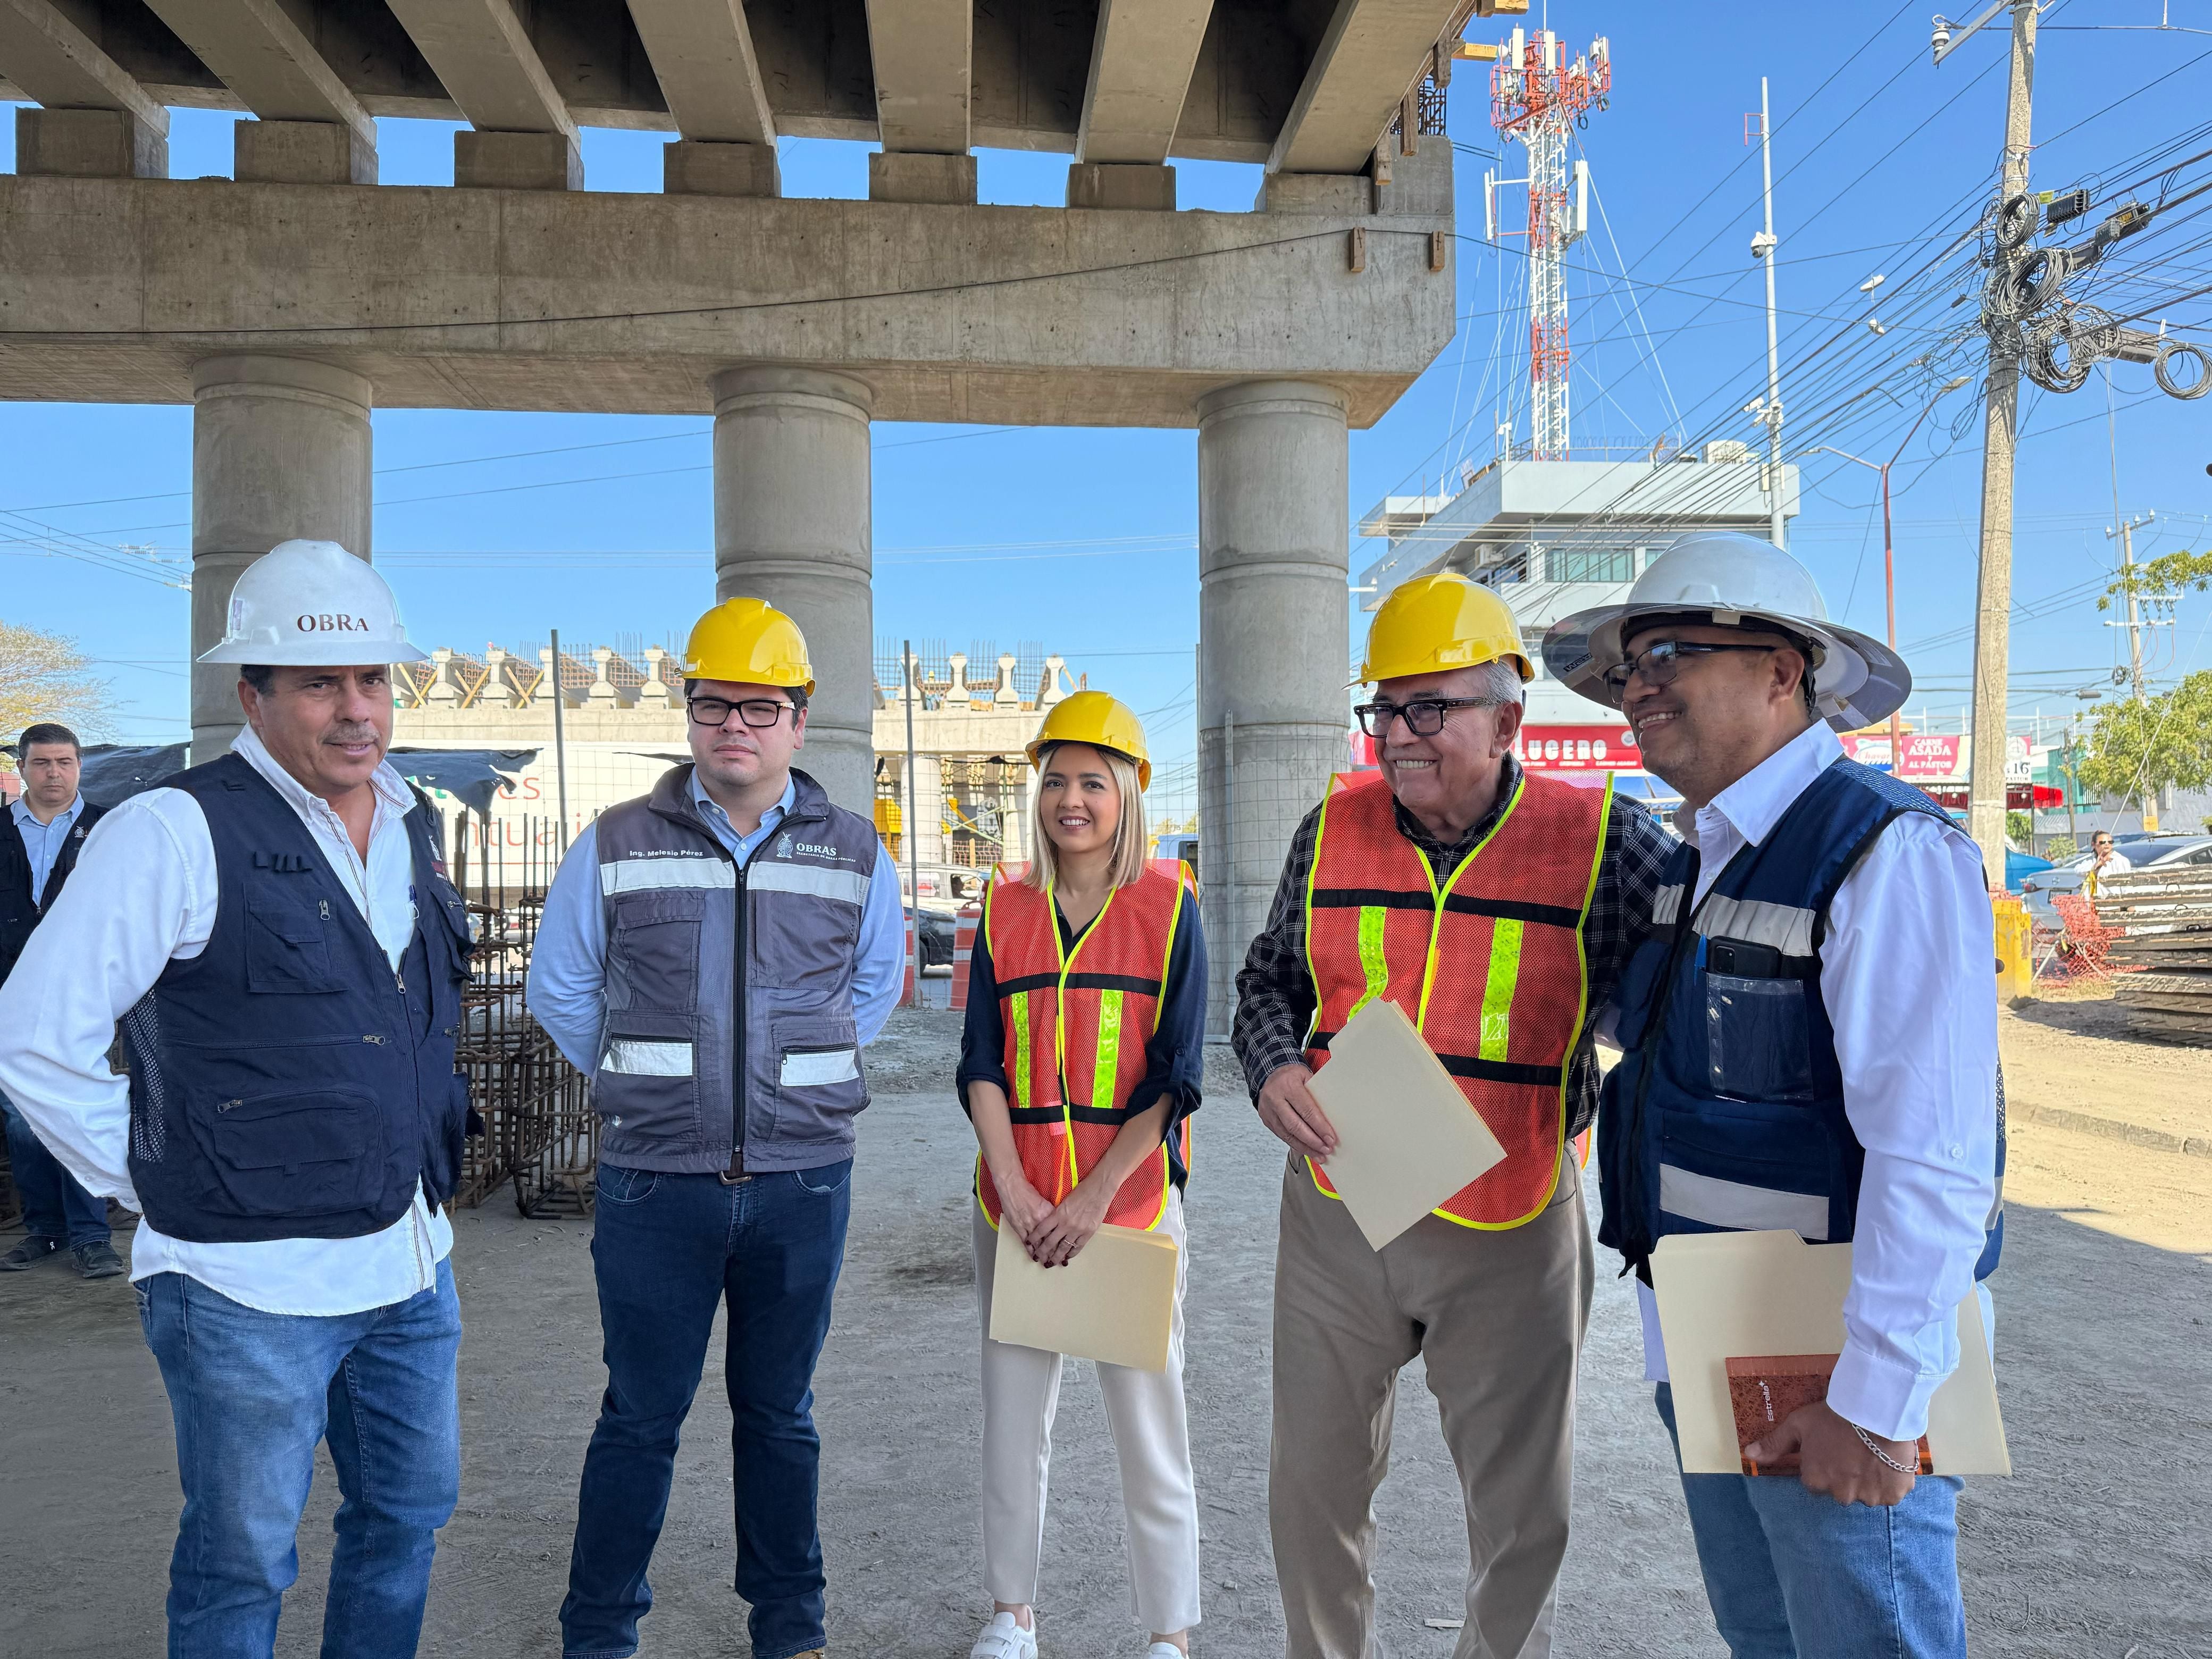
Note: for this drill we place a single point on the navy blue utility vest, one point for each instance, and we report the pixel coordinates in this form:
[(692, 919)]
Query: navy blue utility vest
[(285, 1083), (1727, 1109)]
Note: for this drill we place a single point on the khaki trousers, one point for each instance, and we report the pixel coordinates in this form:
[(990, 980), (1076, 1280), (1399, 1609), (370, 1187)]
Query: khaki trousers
[(1498, 1319), (1151, 1443)]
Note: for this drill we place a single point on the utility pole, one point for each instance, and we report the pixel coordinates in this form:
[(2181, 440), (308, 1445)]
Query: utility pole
[(1985, 799), (1762, 248), (2125, 530)]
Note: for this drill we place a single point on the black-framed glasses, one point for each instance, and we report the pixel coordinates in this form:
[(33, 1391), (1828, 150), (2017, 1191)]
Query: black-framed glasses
[(759, 713), (1663, 662), (1424, 716)]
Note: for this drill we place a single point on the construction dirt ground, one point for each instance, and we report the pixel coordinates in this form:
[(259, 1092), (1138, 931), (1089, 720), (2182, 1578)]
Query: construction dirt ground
[(2098, 1546)]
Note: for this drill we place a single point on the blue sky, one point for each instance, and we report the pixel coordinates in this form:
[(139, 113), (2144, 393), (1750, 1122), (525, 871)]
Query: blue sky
[(1084, 539)]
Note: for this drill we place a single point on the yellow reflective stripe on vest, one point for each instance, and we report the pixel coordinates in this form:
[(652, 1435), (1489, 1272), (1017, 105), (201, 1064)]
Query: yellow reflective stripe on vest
[(1498, 988), (1105, 1069), (1373, 918), (1021, 1002)]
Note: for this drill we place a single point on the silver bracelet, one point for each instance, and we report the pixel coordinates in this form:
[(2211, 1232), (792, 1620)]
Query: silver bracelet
[(1882, 1457)]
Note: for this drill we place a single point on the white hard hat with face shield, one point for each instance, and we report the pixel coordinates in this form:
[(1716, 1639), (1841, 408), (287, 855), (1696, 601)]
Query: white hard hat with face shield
[(312, 605), (1735, 580)]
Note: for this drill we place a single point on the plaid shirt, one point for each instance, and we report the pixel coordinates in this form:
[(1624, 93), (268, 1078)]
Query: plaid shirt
[(1275, 998)]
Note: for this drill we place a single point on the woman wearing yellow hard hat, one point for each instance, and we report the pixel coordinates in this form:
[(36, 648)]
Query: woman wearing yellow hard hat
[(1079, 1068)]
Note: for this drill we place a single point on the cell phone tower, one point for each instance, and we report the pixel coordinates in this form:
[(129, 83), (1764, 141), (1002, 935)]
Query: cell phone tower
[(1535, 97)]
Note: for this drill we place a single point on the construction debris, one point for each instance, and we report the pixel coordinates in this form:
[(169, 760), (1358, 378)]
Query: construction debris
[(2160, 923)]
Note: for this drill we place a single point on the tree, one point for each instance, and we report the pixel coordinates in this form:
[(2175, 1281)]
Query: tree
[(43, 676), (2137, 748), (2019, 827), (2170, 574)]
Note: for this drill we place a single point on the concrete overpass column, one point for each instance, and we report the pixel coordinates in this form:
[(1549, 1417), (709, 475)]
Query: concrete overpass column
[(280, 449), (791, 527), (1271, 546)]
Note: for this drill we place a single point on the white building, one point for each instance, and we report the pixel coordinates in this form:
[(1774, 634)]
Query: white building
[(622, 725), (1553, 537)]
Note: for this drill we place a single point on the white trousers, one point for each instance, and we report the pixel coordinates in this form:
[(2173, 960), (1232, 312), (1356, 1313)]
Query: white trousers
[(1151, 1441)]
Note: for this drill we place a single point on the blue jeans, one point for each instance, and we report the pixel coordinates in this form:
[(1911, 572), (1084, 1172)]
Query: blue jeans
[(1795, 1575), (252, 1394), (54, 1205), (668, 1248)]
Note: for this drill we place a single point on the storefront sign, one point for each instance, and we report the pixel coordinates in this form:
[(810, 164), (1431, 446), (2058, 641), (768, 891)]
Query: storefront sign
[(1578, 748)]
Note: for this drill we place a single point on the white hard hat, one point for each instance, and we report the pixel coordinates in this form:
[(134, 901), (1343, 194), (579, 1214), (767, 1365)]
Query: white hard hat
[(312, 605), (1739, 581)]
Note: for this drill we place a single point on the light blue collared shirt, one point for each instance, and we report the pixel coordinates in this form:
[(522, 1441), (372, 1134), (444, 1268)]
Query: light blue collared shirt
[(44, 841), (568, 963)]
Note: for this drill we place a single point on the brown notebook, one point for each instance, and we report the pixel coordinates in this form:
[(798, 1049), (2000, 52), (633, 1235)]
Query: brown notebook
[(1765, 1389)]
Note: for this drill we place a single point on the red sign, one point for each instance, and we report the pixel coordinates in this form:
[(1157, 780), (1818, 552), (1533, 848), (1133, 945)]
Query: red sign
[(1549, 749), (1926, 757), (2019, 797), (1578, 748)]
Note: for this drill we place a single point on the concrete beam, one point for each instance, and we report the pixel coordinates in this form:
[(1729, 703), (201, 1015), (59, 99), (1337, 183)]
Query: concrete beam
[(256, 49), (443, 298), (1370, 53), (54, 62), (483, 56), (702, 54), (1140, 69), (924, 53)]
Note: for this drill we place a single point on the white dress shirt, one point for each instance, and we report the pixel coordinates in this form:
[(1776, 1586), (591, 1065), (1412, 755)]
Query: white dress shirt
[(1906, 976), (143, 894)]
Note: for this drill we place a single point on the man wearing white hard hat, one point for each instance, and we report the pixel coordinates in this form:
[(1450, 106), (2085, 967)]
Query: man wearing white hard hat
[(274, 933), (1809, 1041)]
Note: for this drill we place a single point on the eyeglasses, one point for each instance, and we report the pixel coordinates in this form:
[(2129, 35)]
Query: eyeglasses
[(1663, 662), (760, 712), (1424, 716)]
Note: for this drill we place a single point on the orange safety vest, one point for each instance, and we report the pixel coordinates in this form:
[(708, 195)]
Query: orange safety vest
[(1077, 1025), (1505, 930)]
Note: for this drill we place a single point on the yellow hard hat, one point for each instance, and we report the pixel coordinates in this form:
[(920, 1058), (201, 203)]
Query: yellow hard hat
[(1101, 722), (1433, 624), (750, 643)]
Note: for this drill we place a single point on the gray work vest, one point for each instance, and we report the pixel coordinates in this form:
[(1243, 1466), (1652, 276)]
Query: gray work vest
[(725, 985)]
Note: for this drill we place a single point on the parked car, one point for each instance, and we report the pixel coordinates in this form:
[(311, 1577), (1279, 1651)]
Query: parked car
[(936, 937), (2151, 852)]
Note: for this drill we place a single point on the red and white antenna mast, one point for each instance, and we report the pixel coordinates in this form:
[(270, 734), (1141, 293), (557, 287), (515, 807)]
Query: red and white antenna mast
[(1535, 97)]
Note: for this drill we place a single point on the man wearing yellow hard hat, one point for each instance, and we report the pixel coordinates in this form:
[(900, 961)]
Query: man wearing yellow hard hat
[(1496, 908), (715, 955)]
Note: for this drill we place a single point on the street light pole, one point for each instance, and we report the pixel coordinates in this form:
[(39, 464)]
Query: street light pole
[(1889, 548)]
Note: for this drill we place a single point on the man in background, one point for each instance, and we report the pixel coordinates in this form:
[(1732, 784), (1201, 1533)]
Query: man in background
[(41, 836), (2105, 861)]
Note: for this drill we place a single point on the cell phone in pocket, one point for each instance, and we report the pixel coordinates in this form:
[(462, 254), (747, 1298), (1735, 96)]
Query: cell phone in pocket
[(1742, 959)]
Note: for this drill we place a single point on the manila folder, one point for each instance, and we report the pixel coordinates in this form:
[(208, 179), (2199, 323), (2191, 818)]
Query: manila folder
[(1725, 1296), (1406, 1138), (1114, 1302)]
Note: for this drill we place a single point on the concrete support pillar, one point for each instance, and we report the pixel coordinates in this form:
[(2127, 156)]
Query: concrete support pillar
[(791, 527), (280, 449), (1272, 541)]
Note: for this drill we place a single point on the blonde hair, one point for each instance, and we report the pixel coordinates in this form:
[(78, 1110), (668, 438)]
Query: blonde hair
[(1128, 862)]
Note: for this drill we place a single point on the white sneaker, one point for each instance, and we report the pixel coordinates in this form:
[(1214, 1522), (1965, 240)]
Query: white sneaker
[(1002, 1638), (1164, 1650)]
